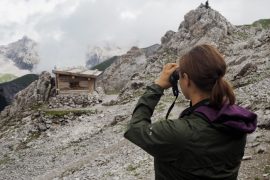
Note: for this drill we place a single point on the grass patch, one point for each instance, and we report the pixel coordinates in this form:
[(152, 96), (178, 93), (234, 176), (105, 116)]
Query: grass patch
[(62, 113)]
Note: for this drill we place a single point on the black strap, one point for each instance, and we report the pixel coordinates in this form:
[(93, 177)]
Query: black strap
[(169, 110)]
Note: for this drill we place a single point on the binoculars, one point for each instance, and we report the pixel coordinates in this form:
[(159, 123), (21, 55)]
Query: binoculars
[(174, 81)]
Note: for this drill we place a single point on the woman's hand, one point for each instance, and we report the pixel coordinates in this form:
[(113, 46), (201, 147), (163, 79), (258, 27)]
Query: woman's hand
[(163, 80)]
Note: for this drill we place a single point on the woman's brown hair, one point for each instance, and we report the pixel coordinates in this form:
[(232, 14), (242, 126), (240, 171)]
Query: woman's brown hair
[(206, 67)]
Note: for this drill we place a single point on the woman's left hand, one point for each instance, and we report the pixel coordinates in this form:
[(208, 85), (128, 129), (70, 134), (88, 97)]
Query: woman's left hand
[(163, 80)]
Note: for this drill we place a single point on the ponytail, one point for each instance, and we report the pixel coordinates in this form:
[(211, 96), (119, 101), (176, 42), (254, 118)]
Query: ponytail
[(222, 92)]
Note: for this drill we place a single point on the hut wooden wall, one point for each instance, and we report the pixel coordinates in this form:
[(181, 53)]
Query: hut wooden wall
[(69, 82)]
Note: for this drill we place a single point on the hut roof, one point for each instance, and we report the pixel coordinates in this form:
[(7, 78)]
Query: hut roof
[(78, 72)]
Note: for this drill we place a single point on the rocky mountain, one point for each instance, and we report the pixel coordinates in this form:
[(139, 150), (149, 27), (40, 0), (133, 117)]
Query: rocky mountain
[(22, 53), (43, 136), (9, 89), (97, 54), (125, 68)]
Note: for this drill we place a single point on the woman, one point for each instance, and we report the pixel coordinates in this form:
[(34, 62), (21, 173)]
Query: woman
[(208, 139)]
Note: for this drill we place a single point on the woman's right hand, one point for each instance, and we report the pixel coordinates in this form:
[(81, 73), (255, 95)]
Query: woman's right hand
[(163, 80)]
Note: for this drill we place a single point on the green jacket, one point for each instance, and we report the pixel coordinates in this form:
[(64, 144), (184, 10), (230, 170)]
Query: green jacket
[(190, 147)]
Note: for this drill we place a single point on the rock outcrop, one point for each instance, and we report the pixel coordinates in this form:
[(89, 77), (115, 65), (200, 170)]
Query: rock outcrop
[(36, 93), (201, 25)]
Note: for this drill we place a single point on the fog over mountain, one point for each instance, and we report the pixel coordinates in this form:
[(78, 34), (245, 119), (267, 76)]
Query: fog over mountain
[(65, 29), (96, 55), (8, 66)]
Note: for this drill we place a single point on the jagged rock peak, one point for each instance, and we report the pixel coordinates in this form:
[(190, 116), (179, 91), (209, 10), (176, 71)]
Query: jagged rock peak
[(23, 42), (202, 25), (203, 20), (23, 53)]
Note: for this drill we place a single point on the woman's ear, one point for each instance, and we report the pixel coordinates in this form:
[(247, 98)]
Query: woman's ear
[(186, 79)]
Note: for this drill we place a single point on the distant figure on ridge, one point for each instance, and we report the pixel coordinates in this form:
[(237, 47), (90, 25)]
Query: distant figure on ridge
[(207, 4)]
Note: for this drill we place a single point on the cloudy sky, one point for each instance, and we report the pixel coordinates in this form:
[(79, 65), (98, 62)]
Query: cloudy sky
[(65, 29)]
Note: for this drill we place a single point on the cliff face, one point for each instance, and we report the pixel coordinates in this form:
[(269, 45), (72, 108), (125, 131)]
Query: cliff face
[(81, 137)]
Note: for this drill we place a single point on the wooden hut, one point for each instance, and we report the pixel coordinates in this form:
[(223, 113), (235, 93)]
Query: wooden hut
[(75, 80)]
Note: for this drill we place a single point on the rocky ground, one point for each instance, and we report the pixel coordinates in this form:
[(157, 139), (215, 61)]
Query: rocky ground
[(91, 146)]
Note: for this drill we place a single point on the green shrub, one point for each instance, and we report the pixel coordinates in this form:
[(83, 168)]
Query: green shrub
[(265, 23)]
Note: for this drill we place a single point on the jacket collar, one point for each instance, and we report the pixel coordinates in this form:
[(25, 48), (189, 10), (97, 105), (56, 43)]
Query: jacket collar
[(191, 108), (237, 118)]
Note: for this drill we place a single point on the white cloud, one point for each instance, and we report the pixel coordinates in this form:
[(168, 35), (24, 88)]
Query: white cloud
[(20, 17), (65, 28), (19, 11), (128, 15)]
